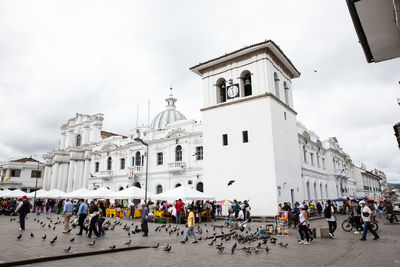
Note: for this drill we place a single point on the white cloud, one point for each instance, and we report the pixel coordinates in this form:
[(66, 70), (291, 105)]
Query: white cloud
[(62, 57)]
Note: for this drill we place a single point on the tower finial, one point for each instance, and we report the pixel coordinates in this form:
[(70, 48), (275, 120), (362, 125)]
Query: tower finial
[(171, 100), (170, 88)]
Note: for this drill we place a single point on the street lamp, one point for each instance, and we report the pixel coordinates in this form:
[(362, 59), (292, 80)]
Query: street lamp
[(147, 165), (37, 177)]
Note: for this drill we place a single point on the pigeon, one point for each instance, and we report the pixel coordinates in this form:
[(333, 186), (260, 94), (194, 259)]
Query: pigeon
[(233, 249), (165, 247), (283, 245), (92, 243), (129, 234), (111, 247), (72, 240), (256, 250), (55, 238), (231, 182), (67, 249), (212, 242), (129, 242), (32, 235), (52, 241), (315, 70), (44, 237), (258, 245), (156, 246), (54, 228), (267, 249), (19, 237), (168, 249), (220, 250)]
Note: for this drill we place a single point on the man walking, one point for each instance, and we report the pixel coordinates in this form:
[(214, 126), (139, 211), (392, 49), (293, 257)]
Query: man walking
[(355, 210), (331, 218), (39, 204), (145, 218), (367, 217), (68, 212), (131, 210), (82, 213), (23, 208), (94, 213), (190, 227)]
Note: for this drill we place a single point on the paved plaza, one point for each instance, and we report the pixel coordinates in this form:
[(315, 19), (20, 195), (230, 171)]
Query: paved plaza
[(346, 250)]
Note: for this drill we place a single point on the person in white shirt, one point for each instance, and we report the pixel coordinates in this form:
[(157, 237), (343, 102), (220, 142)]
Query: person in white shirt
[(240, 216), (367, 218)]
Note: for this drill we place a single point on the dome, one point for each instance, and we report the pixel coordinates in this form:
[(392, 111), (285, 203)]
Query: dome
[(167, 116)]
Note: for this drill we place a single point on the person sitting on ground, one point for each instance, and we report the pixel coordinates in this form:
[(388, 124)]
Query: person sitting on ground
[(240, 216)]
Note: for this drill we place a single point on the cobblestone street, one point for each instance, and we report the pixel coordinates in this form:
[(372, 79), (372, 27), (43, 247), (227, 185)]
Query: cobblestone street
[(346, 250)]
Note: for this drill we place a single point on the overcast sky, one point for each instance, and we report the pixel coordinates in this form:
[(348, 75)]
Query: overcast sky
[(58, 58)]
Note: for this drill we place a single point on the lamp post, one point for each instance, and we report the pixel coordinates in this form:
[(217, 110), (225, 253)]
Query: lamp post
[(147, 165), (37, 176)]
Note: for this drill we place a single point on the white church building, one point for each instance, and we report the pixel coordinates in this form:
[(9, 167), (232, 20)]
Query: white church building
[(249, 134)]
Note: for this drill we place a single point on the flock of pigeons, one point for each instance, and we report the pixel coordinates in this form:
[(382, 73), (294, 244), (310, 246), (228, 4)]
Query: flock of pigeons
[(250, 242)]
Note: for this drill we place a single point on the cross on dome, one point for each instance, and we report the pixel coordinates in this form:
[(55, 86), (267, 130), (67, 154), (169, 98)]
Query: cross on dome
[(171, 100)]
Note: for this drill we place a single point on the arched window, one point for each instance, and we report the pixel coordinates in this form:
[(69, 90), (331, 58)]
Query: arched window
[(286, 90), (122, 164), (199, 187), (221, 90), (245, 83), (138, 161), (177, 185), (159, 189), (276, 80), (137, 184), (178, 153), (109, 163), (78, 140)]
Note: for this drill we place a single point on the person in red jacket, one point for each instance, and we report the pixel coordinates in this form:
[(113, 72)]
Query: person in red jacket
[(178, 207)]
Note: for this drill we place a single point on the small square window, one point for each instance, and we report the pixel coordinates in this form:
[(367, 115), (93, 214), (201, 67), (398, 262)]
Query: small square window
[(225, 139), (160, 158), (245, 136)]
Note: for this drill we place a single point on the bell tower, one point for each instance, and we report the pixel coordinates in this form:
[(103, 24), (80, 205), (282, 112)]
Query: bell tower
[(250, 133)]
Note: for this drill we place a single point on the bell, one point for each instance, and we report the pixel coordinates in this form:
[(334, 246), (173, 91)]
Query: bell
[(247, 81)]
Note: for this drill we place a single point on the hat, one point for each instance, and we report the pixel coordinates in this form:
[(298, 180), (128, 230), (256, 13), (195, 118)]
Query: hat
[(301, 207), (327, 199), (362, 202), (24, 197)]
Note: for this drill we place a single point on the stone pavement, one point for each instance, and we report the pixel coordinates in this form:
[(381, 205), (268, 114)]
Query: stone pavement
[(346, 250)]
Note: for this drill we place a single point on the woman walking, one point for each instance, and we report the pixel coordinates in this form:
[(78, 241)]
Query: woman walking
[(303, 226)]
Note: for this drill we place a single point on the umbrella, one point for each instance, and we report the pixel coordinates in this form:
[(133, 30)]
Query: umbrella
[(225, 203), (339, 199), (132, 192), (78, 193), (15, 193), (4, 192), (54, 193), (39, 193), (102, 192), (370, 199), (184, 193)]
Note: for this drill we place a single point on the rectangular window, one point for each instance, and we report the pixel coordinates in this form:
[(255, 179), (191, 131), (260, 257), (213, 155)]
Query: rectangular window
[(122, 165), (199, 153), (312, 158), (318, 160), (133, 161), (305, 155), (225, 139), (15, 173), (245, 137), (96, 166), (323, 163), (160, 158), (284, 114), (36, 174)]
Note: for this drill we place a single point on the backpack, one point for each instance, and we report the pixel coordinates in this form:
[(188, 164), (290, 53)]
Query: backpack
[(327, 212)]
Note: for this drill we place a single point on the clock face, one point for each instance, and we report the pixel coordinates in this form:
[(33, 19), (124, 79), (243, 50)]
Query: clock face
[(233, 91)]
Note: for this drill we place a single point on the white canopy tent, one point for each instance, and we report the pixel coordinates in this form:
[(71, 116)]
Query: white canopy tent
[(78, 193), (4, 192), (133, 192), (15, 193), (54, 193), (102, 192), (41, 193), (183, 192)]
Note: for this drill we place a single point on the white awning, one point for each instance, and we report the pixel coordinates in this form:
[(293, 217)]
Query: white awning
[(183, 192)]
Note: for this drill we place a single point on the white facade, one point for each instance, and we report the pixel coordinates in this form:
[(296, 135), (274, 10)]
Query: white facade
[(250, 136), (369, 183), (21, 174)]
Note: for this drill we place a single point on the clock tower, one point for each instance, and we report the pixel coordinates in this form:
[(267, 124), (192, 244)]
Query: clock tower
[(250, 133)]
